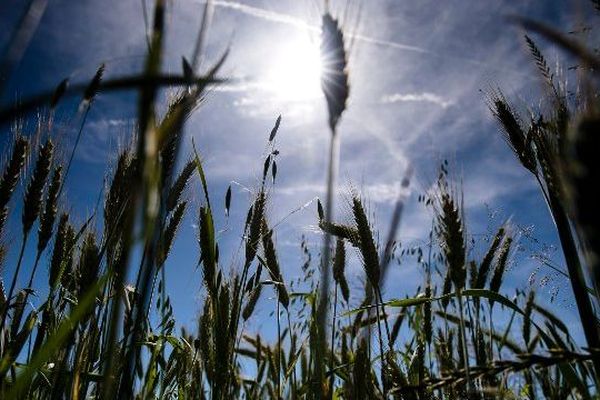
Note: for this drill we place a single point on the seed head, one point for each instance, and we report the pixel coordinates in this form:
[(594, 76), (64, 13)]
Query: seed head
[(10, 177), (334, 78), (339, 264), (367, 246), (32, 201), (49, 214)]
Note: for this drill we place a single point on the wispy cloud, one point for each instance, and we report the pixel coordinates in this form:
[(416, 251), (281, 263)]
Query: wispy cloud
[(265, 14), (291, 20), (300, 23), (385, 193), (102, 137), (417, 97)]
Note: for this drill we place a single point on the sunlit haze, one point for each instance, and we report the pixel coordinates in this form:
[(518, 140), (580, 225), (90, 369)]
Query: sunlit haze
[(293, 70)]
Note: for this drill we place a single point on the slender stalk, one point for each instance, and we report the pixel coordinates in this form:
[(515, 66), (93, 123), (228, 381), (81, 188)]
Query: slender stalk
[(332, 361), (35, 265), (294, 379), (491, 333), (380, 337), (278, 354), (428, 271), (14, 281), (115, 313), (77, 139), (464, 337), (384, 315), (322, 308), (584, 305), (472, 324), (30, 283)]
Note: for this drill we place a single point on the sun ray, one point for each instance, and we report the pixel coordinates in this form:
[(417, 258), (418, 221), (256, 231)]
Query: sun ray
[(294, 74)]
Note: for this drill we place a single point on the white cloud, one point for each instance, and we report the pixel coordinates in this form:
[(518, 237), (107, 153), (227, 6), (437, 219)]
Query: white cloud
[(384, 193), (101, 138), (416, 97)]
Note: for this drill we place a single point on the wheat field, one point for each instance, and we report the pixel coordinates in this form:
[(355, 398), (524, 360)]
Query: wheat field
[(102, 324)]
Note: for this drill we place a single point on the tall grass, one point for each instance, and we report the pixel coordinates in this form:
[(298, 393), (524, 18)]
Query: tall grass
[(91, 333)]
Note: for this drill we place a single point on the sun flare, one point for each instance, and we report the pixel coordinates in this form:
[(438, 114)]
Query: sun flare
[(294, 74)]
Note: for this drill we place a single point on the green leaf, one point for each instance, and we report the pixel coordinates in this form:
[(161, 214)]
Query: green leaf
[(415, 301), (55, 341), (421, 299), (201, 173)]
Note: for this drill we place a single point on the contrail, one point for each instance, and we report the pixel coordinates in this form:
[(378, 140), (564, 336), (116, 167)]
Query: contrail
[(299, 23), (266, 14)]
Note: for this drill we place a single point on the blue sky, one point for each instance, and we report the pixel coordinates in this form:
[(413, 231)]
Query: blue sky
[(417, 71)]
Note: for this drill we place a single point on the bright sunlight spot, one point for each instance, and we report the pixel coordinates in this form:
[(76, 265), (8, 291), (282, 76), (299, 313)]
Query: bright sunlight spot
[(294, 73)]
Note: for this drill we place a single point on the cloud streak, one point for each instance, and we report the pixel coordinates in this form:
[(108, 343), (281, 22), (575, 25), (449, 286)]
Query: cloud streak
[(416, 97), (265, 14), (301, 24), (385, 193)]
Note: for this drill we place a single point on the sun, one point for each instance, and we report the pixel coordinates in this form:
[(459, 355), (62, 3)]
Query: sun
[(294, 73)]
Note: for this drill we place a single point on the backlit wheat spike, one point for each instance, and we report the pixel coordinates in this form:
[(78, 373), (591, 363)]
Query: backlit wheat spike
[(59, 92), (486, 263), (273, 264), (346, 232), (32, 200), (56, 263), (339, 264), (207, 249), (179, 185), (228, 200), (19, 308), (89, 264), (450, 231), (10, 176), (334, 78), (91, 91), (275, 129), (367, 246), (252, 301), (32, 203), (50, 208), (254, 227), (119, 193), (540, 60), (498, 274), (68, 274), (170, 131), (512, 129), (169, 233), (527, 317)]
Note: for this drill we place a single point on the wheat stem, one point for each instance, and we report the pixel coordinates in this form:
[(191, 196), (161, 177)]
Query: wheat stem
[(77, 139), (278, 352), (14, 281), (322, 309), (464, 336), (332, 361)]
